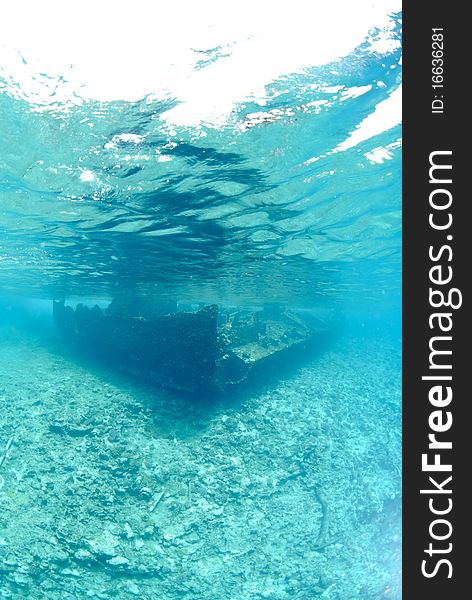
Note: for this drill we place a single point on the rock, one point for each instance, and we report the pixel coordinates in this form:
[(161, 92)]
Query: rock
[(118, 561), (83, 555), (104, 547), (71, 572)]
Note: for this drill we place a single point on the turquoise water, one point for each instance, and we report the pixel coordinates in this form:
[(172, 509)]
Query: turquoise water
[(289, 488)]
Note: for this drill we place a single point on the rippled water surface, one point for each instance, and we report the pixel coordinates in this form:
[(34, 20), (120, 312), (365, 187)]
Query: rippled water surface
[(284, 198)]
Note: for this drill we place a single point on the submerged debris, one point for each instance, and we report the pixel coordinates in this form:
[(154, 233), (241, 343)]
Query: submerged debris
[(6, 451)]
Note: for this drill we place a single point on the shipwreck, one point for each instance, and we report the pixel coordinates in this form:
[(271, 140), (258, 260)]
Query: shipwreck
[(208, 349)]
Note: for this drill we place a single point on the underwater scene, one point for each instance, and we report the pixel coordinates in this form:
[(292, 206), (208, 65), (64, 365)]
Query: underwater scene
[(200, 301)]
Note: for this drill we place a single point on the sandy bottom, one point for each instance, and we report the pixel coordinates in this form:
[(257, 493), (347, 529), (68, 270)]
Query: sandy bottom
[(110, 489)]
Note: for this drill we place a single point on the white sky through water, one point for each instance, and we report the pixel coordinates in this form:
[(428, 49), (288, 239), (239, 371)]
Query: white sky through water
[(121, 49)]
